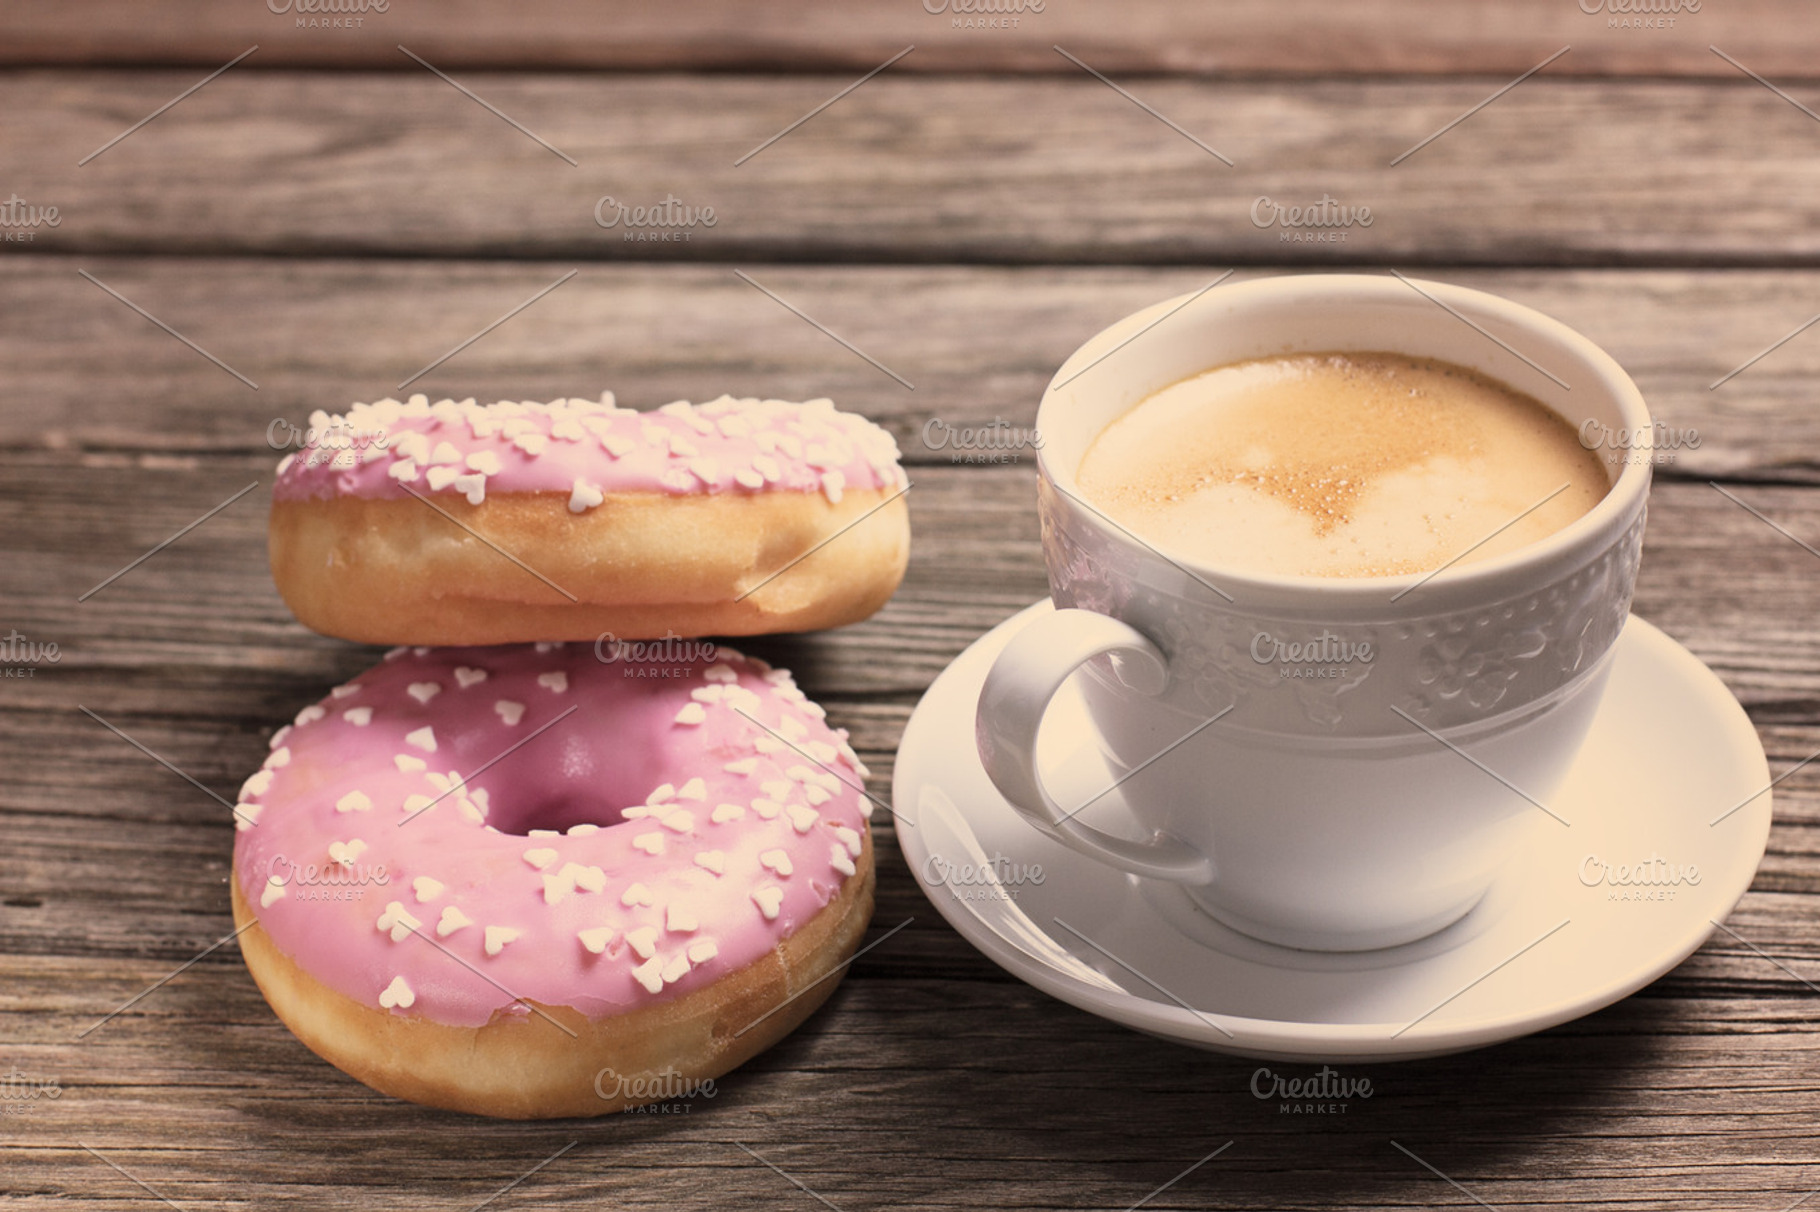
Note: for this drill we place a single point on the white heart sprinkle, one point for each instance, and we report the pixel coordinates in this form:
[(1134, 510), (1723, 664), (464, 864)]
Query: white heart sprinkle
[(557, 681), (557, 887), (441, 477), (584, 496), (643, 940), (509, 711), (397, 995), (274, 890), (840, 860), (426, 888), (280, 756), (406, 763), (694, 789), (650, 843), (397, 922), (777, 861), (743, 766), (540, 858), (637, 894), (424, 738), (596, 940), (465, 677), (803, 818), (650, 975), (445, 453), (712, 860), (849, 838), (702, 952), (247, 815), (769, 901), (498, 936), (680, 921), (679, 822), (452, 920), (832, 484), (692, 713), (360, 717), (617, 445), (346, 852), (423, 692), (354, 801), (727, 812), (473, 487), (676, 969), (257, 784), (486, 463)]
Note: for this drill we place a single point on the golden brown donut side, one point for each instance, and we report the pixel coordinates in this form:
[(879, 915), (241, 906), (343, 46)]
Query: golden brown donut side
[(639, 566), (525, 1067)]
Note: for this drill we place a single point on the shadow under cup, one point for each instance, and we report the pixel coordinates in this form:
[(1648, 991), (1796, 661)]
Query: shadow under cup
[(1372, 804)]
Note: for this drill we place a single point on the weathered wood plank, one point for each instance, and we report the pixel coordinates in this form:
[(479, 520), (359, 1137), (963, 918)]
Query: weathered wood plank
[(978, 343), (1658, 1101), (1291, 37), (977, 169), (194, 656)]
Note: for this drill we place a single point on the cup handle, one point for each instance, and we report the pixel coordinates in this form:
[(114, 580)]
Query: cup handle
[(1024, 678)]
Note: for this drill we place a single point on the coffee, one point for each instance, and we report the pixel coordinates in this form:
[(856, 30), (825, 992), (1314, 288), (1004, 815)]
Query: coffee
[(1340, 465)]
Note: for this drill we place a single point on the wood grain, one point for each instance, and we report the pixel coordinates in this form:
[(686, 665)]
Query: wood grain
[(194, 657), (967, 218), (977, 343), (968, 169), (1288, 37)]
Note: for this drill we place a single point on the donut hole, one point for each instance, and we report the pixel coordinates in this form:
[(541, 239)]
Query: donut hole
[(561, 814), (585, 771)]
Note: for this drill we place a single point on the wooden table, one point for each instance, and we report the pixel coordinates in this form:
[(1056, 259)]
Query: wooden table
[(327, 217)]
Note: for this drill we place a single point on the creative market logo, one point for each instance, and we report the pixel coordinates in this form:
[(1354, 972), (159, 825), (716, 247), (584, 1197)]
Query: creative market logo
[(21, 657), (983, 14), (1327, 221), (671, 221), (1639, 14), (1649, 879), (20, 220), (1326, 1092), (327, 14)]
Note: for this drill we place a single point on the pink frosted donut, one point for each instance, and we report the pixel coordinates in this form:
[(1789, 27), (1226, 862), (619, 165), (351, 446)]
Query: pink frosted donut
[(528, 881), (575, 518)]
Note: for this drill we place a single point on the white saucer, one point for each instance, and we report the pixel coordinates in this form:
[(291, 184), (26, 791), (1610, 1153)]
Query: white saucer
[(1669, 752)]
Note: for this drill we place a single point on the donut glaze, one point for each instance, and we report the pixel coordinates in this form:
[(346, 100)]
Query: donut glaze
[(458, 831), (574, 518), (589, 450)]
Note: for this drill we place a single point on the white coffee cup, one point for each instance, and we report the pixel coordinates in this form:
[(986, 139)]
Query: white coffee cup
[(1349, 813)]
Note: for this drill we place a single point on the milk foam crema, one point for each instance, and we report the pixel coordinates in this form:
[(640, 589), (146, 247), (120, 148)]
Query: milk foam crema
[(1341, 465)]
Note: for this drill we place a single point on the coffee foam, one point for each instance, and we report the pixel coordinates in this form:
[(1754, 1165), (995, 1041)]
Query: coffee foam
[(1340, 464)]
